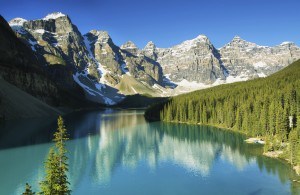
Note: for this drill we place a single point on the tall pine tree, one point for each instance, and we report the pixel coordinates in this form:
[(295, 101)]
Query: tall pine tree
[(56, 180), (28, 190)]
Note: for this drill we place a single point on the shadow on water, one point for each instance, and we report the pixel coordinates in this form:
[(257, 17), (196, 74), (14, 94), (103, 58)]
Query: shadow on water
[(32, 131)]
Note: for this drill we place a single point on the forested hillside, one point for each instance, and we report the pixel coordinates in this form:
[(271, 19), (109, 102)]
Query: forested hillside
[(266, 107)]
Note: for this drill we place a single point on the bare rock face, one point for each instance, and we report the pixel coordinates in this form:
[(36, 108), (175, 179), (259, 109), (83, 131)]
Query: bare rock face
[(150, 51), (117, 61), (193, 60), (130, 48), (57, 42), (106, 53), (140, 65), (248, 60)]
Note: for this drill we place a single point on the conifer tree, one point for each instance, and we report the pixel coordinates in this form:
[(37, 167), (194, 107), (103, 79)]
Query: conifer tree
[(293, 139), (56, 180), (50, 185), (28, 190), (60, 138)]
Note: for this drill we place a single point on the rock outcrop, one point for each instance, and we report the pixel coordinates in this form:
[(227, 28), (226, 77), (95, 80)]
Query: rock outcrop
[(248, 60), (193, 60)]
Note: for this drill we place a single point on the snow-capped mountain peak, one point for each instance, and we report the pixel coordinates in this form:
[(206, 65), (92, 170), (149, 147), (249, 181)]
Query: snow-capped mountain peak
[(187, 45), (54, 16), (287, 43), (150, 46), (17, 22), (202, 37)]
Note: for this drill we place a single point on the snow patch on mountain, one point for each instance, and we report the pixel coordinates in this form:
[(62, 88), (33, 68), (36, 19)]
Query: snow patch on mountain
[(187, 45), (17, 25), (233, 79), (286, 43), (54, 16), (260, 64), (77, 78), (33, 44), (101, 69), (17, 22), (190, 84), (125, 69)]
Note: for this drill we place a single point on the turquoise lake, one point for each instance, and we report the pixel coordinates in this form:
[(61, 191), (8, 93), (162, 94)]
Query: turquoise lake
[(118, 152)]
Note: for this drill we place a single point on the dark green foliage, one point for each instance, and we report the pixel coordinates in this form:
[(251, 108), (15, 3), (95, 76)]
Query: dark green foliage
[(56, 180), (260, 107), (153, 113), (28, 190), (293, 140), (139, 101), (50, 184)]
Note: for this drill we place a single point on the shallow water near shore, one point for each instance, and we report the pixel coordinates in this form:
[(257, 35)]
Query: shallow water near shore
[(118, 152)]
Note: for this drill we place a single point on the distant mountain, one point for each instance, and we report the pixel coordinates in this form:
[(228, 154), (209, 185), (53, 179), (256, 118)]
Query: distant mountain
[(107, 72), (244, 60)]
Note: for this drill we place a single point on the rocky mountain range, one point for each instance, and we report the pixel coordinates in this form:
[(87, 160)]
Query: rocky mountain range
[(107, 72)]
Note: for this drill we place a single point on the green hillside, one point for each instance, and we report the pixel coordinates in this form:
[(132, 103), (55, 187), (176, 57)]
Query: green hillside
[(265, 107)]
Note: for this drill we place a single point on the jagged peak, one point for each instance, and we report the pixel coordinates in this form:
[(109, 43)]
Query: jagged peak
[(128, 45), (150, 46), (99, 33), (237, 40), (98, 36), (236, 37), (202, 37), (186, 45), (54, 16), (17, 22)]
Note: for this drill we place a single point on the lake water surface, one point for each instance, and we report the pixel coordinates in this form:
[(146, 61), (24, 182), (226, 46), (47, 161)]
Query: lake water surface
[(118, 152)]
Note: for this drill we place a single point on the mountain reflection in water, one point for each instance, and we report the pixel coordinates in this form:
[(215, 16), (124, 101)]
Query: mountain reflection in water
[(107, 142)]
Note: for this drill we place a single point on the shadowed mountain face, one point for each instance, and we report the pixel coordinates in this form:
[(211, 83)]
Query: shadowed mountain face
[(20, 67), (25, 80), (107, 72)]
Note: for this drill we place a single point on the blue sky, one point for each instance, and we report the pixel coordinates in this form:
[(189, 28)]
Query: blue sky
[(169, 22)]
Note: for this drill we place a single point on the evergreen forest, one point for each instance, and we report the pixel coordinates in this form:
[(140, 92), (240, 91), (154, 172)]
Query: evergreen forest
[(268, 108)]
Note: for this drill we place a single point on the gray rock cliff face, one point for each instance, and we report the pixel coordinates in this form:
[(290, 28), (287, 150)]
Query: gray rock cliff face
[(140, 65), (193, 60), (117, 61), (248, 60), (105, 52), (58, 42)]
